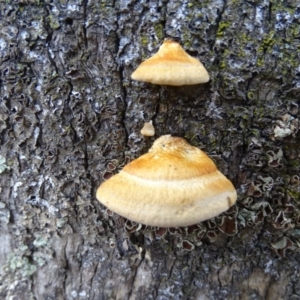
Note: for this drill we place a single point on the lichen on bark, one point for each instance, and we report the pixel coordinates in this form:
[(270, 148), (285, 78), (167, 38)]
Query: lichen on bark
[(70, 116)]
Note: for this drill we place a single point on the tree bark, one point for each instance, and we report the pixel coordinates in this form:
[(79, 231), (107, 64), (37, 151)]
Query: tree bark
[(70, 116)]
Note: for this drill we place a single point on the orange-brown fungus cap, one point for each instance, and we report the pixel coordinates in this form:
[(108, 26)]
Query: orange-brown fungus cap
[(171, 65), (173, 185)]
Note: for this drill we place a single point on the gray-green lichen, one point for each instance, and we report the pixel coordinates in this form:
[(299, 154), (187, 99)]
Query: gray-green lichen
[(3, 165)]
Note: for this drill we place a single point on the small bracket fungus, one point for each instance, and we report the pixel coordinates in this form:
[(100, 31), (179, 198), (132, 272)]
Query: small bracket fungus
[(148, 129), (173, 185), (171, 65)]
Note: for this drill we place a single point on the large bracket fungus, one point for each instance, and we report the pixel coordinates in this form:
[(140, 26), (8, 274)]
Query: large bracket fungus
[(173, 185)]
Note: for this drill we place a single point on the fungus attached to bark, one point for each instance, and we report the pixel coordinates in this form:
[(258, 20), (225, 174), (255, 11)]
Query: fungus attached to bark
[(173, 185), (171, 65), (148, 129)]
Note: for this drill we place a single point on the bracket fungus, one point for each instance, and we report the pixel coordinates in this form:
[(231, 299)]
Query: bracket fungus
[(173, 185), (171, 65), (148, 129)]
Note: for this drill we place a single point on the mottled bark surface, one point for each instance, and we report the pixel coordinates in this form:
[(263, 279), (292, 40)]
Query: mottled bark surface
[(70, 116)]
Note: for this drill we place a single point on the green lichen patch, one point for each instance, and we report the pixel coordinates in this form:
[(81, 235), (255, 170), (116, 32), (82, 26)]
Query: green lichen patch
[(3, 165)]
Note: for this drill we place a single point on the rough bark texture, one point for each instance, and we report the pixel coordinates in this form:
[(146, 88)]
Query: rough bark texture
[(70, 116)]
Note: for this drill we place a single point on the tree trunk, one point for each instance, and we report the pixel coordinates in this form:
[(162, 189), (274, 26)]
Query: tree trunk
[(70, 116)]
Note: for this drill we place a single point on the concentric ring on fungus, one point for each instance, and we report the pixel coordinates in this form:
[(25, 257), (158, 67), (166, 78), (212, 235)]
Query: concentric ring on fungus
[(173, 185)]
